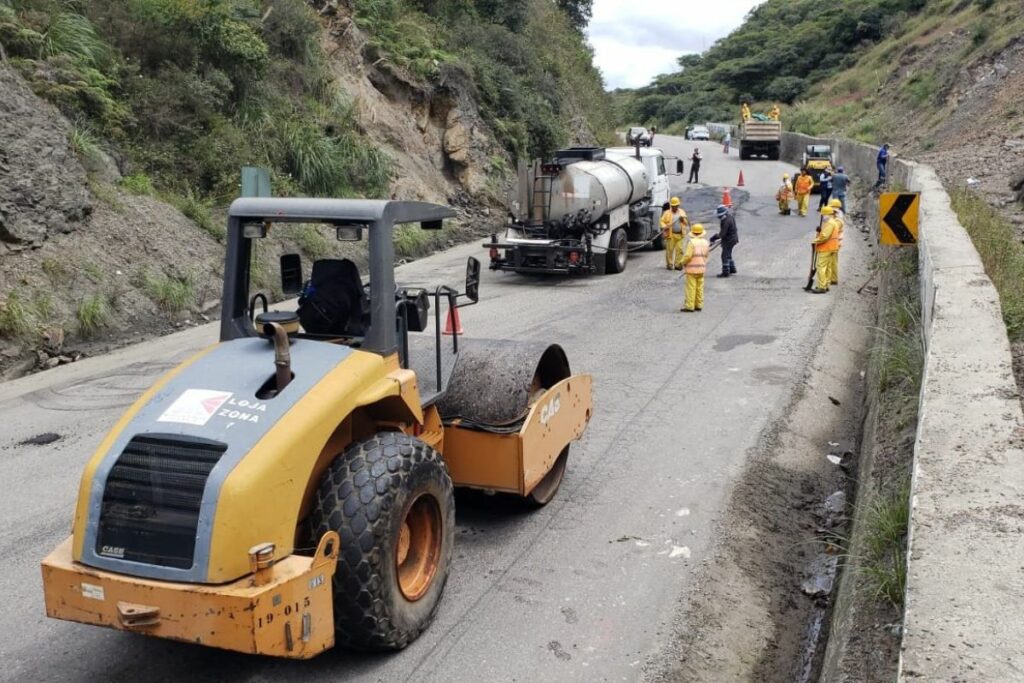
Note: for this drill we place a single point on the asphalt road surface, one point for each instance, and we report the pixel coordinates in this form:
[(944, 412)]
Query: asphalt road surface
[(584, 589)]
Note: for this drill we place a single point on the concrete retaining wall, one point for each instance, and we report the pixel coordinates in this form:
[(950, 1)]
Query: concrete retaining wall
[(965, 580)]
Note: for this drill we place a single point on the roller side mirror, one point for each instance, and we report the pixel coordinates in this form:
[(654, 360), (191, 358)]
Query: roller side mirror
[(473, 279)]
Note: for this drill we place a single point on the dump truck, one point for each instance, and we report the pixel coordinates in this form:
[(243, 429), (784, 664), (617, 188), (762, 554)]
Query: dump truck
[(291, 486), (760, 138), (583, 212), (817, 159)]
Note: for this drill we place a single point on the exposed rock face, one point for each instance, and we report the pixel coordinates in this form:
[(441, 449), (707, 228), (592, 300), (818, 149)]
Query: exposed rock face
[(42, 184)]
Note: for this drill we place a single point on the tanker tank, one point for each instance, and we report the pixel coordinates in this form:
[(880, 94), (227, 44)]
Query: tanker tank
[(597, 188)]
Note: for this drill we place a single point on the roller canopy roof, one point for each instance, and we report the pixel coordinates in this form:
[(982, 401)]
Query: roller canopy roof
[(301, 209)]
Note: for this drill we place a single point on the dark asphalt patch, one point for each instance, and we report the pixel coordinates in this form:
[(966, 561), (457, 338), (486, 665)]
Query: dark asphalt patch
[(41, 439)]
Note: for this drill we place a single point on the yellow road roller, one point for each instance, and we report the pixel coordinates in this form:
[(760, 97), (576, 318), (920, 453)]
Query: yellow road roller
[(291, 487)]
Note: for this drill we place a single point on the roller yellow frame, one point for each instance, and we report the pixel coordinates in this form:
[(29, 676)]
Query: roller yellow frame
[(282, 491)]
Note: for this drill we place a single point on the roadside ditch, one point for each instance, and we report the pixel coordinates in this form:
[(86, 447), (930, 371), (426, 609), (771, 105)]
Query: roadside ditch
[(807, 583)]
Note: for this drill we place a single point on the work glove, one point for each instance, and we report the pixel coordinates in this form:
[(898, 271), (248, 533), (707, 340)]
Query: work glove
[(715, 238)]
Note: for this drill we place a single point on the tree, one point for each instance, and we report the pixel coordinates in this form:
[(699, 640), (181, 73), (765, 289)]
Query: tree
[(579, 12)]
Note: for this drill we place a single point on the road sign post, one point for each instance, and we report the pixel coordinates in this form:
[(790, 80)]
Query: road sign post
[(898, 218)]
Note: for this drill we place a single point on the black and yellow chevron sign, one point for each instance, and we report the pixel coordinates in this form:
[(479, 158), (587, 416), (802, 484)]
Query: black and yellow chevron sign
[(898, 214)]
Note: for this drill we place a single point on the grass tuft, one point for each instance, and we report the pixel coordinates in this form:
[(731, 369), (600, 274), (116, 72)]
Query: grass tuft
[(1001, 252), (885, 543), (137, 183), (16, 320), (93, 314), (171, 293)]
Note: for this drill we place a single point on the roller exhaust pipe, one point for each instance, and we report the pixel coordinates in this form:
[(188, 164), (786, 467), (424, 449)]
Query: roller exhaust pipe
[(282, 356)]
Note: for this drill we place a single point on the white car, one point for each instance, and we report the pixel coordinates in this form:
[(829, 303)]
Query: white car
[(638, 133), (699, 133)]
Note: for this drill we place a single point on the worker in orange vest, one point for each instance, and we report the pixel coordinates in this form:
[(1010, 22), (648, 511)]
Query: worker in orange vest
[(826, 245), (695, 261), (803, 186), (784, 195), (840, 216), (673, 229)]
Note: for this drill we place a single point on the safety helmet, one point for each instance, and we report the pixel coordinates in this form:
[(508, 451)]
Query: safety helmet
[(697, 229), (721, 211), (828, 211), (674, 201), (785, 176), (835, 203)]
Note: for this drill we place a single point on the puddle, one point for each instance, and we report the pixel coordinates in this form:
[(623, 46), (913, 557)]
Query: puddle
[(731, 341)]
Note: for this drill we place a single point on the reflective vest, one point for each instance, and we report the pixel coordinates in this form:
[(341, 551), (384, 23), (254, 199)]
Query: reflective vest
[(698, 256), (828, 239), (673, 221), (785, 192), (841, 220), (804, 184)]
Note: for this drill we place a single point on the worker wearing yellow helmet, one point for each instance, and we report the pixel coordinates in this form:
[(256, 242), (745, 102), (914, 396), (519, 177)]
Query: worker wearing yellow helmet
[(784, 195), (674, 225), (695, 261), (826, 245), (840, 216), (775, 114)]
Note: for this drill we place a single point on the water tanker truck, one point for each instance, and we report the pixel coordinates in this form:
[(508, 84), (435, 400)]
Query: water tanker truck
[(583, 212)]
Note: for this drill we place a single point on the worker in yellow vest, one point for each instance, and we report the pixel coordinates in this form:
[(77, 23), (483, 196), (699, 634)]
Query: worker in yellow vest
[(673, 229), (840, 216), (784, 195), (803, 186), (745, 111), (695, 261), (826, 244), (775, 114)]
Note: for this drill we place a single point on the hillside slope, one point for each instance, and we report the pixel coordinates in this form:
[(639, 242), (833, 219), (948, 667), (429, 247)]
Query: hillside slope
[(125, 123)]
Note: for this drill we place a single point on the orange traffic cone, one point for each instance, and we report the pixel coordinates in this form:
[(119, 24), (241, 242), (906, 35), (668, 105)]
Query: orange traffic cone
[(739, 183), (726, 197), (453, 325)]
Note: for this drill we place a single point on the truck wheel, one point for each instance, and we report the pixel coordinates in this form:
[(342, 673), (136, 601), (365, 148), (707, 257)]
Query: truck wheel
[(618, 252), (390, 499), (744, 154)]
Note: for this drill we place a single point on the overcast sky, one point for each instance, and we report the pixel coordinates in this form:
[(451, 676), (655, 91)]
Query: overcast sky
[(635, 40)]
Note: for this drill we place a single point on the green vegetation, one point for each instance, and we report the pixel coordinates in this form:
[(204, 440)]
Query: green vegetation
[(885, 542), (137, 183), (16, 320), (831, 62), (173, 293), (526, 58), (192, 90), (93, 314), (199, 210), (187, 91), (1001, 251), (897, 365)]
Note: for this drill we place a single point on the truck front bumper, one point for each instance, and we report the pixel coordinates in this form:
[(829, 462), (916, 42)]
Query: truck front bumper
[(283, 611)]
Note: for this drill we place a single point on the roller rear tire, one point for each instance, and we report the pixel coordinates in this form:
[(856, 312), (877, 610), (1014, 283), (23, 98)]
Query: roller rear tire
[(390, 498)]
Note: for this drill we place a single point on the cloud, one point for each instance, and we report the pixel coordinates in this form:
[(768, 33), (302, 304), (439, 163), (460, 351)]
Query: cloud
[(635, 40)]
